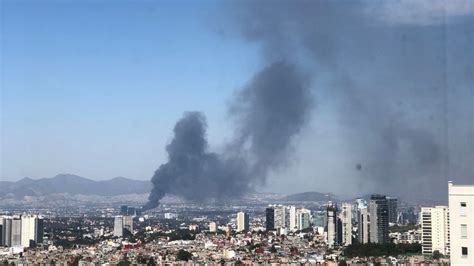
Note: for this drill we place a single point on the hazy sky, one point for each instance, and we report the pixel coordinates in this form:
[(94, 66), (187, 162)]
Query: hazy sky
[(94, 88)]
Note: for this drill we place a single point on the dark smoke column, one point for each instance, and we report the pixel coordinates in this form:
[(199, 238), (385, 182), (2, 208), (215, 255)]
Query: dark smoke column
[(268, 113), (192, 172), (185, 153)]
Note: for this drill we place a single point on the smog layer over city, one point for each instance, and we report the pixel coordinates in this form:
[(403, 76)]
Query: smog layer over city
[(237, 132)]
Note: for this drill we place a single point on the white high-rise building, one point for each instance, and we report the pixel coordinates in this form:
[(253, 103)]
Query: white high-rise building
[(6, 231), (28, 230), (435, 230), (293, 218), (212, 227), (346, 219), (280, 216), (16, 232), (118, 226), (128, 223), (363, 225), (331, 227), (461, 222), (303, 217), (31, 230), (242, 222), (2, 226)]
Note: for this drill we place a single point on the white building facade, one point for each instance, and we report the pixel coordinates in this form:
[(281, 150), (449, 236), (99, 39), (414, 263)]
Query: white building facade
[(435, 230), (28, 231), (461, 214), (212, 227), (293, 218), (331, 227), (118, 226), (242, 222), (363, 225), (346, 219), (303, 217)]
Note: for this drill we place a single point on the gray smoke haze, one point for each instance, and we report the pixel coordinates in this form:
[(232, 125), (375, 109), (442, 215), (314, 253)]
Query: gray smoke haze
[(402, 85), (268, 113), (398, 79)]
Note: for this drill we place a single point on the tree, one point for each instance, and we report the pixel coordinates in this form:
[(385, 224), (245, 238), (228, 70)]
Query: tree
[(437, 255), (151, 262), (387, 249), (342, 263), (273, 249), (184, 255), (124, 262)]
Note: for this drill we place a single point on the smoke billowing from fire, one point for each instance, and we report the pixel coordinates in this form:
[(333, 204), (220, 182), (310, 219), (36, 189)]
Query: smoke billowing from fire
[(268, 113), (398, 88)]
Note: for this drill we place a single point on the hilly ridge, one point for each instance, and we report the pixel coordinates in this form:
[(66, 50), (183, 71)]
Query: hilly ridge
[(72, 184)]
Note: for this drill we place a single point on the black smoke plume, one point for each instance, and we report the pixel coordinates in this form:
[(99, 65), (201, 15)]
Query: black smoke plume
[(401, 85), (268, 113)]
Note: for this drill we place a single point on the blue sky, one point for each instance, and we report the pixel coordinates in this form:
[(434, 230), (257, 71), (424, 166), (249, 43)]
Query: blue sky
[(94, 89)]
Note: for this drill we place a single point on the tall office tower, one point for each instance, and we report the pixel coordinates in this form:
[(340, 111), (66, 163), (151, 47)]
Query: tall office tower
[(346, 220), (270, 218), (28, 230), (7, 231), (293, 218), (461, 222), (319, 219), (339, 231), (435, 230), (281, 214), (32, 230), (39, 230), (363, 225), (392, 210), (302, 218), (212, 227), (331, 227), (118, 226), (242, 222), (131, 211), (124, 210), (16, 232), (127, 224), (378, 219), (2, 233)]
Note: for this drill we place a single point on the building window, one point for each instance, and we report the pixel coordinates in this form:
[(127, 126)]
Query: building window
[(464, 231), (464, 251), (463, 209)]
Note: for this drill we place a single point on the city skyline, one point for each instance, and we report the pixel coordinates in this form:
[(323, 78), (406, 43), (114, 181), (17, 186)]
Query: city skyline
[(355, 231)]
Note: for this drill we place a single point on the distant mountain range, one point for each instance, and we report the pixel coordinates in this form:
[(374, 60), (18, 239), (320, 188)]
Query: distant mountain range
[(74, 185), (77, 185)]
